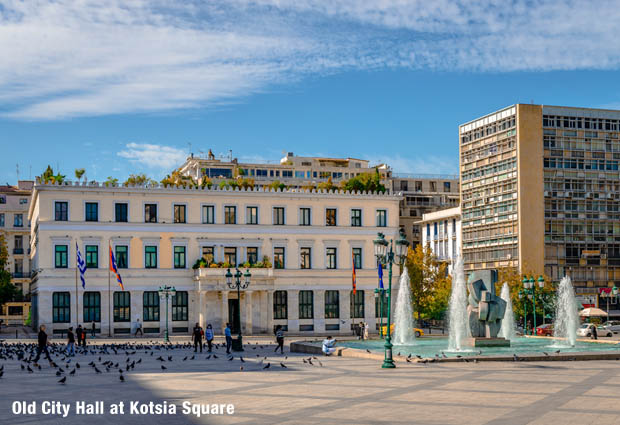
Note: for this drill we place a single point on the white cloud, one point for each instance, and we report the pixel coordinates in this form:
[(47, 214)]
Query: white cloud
[(154, 156), (64, 58)]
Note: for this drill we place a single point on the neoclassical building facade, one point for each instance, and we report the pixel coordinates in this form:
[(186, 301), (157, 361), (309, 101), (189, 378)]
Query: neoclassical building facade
[(298, 245)]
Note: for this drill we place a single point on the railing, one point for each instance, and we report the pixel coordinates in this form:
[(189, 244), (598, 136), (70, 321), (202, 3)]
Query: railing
[(21, 275), (426, 176), (18, 250)]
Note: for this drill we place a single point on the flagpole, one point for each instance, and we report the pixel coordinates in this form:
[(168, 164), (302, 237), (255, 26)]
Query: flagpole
[(77, 307), (109, 303)]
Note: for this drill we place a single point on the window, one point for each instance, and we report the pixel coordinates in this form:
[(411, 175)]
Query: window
[(92, 256), (278, 257), (179, 214), (2, 199), (179, 257), (120, 212), (278, 216), (122, 304), (61, 307), (306, 305), (356, 217), (454, 226), (252, 254), (280, 306), (150, 306), (304, 217), (1, 219), (179, 306), (357, 304), (446, 186), (381, 310), (208, 214), (230, 215), (121, 254), (150, 257), (381, 218), (208, 253), (92, 307), (305, 258), (357, 257), (150, 213), (60, 256), (19, 244), (331, 258), (332, 305), (251, 215), (91, 211), (18, 220), (61, 211), (23, 201), (404, 185), (230, 255), (330, 216)]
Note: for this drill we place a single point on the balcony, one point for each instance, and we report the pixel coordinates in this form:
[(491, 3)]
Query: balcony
[(18, 251), (21, 275)]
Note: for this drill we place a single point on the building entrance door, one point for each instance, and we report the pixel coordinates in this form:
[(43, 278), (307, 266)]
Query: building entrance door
[(233, 317)]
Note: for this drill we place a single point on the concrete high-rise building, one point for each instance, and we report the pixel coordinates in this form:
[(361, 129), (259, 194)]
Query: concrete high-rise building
[(540, 191)]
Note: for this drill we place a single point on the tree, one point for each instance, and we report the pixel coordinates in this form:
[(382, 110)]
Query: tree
[(276, 185), (430, 284), (79, 172), (328, 185), (48, 176), (8, 291), (111, 181), (370, 182), (139, 180)]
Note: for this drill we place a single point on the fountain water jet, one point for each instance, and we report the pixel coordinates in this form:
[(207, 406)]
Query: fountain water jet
[(403, 316), (457, 310), (508, 323), (566, 315)]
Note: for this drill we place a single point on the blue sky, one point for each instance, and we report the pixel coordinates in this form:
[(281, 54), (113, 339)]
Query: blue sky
[(118, 89)]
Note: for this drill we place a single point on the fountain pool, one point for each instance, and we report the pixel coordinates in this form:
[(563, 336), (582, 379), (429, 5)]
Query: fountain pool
[(428, 347)]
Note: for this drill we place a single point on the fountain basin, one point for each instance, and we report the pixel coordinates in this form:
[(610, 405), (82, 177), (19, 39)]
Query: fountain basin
[(487, 342)]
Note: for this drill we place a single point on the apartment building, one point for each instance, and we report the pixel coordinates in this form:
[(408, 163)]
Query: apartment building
[(441, 231), (294, 171), (423, 194), (158, 235), (14, 203), (540, 190)]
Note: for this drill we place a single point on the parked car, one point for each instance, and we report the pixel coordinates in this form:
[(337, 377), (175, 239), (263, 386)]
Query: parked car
[(613, 325), (586, 331), (418, 332), (545, 330)]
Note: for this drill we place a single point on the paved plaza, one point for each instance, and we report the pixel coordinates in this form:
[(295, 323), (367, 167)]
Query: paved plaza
[(335, 390)]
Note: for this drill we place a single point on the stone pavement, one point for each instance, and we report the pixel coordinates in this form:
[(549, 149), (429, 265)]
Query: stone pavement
[(341, 391)]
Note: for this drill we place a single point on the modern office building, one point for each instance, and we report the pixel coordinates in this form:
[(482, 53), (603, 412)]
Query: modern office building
[(311, 240), (294, 171), (14, 203), (540, 191), (423, 194), (441, 231)]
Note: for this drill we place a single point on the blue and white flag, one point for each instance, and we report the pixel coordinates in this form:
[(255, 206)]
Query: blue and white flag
[(81, 265), (380, 271)]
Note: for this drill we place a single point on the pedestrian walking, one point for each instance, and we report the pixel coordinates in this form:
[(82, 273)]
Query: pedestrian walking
[(70, 342), (209, 336), (228, 336), (92, 333), (197, 337), (42, 347), (594, 332), (280, 339), (83, 342), (138, 328), (328, 346), (366, 331), (78, 333)]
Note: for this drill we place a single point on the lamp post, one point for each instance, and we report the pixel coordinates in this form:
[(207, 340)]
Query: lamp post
[(389, 258), (529, 291), (166, 292), (238, 284), (379, 295)]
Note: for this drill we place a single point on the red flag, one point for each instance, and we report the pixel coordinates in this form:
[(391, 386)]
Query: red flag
[(353, 277)]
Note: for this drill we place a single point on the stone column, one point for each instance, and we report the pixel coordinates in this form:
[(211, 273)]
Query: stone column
[(201, 309), (319, 311), (269, 311), (292, 299), (345, 311), (369, 310), (248, 312), (224, 315)]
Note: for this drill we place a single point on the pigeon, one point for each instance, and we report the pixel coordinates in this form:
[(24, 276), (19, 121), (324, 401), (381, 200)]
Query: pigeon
[(208, 357), (546, 354), (310, 361), (169, 358), (267, 366), (1, 373), (23, 368), (241, 358), (185, 358), (408, 360), (282, 364), (122, 378), (458, 356), (231, 358), (192, 358), (97, 370), (63, 380), (29, 370), (367, 350), (163, 367), (58, 373), (417, 355), (515, 358), (557, 352), (77, 365), (320, 364), (304, 360), (72, 372), (214, 356), (241, 368)]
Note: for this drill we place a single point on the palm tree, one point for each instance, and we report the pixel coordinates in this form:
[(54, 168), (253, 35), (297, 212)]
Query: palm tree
[(79, 172)]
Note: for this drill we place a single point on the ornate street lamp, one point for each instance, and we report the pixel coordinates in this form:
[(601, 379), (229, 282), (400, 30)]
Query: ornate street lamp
[(238, 284), (396, 254), (166, 292), (529, 291)]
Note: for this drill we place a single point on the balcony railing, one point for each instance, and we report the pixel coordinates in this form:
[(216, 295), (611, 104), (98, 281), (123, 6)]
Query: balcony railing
[(21, 275), (18, 250)]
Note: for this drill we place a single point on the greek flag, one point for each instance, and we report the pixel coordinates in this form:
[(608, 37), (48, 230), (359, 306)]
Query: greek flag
[(81, 265)]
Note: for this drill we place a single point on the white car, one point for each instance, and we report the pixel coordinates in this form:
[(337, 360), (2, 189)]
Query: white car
[(585, 330), (613, 325)]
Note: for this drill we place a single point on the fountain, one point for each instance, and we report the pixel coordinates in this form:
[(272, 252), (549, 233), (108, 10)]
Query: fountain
[(508, 323), (566, 315), (457, 309), (403, 316)]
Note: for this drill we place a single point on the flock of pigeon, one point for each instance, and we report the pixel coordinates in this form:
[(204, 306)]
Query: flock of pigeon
[(123, 358)]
